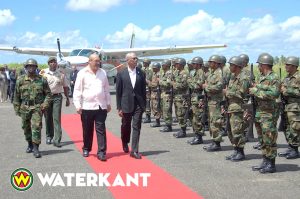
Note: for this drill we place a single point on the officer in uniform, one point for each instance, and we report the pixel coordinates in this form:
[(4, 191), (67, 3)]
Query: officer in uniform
[(266, 91), (148, 72), (189, 113), (235, 93), (180, 90), (155, 94), (290, 90), (165, 82), (32, 97), (197, 100), (214, 89), (226, 74), (174, 72)]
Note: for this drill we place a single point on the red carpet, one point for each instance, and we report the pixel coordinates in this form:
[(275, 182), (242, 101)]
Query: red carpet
[(160, 183)]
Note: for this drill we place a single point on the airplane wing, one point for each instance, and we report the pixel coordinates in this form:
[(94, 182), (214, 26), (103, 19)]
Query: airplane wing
[(157, 51), (36, 51)]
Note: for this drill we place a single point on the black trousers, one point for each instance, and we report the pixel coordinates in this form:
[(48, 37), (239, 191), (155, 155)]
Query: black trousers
[(89, 118), (136, 118)]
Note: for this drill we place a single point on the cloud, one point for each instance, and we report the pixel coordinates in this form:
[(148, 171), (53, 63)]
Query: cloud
[(190, 1), (6, 17), (69, 39), (93, 5), (246, 35)]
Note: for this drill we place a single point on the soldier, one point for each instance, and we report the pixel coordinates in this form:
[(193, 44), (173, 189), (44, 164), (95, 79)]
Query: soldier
[(189, 113), (32, 97), (165, 83), (197, 100), (266, 91), (155, 94), (174, 72), (180, 90), (235, 93), (205, 68), (214, 87), (226, 74), (148, 72), (290, 90)]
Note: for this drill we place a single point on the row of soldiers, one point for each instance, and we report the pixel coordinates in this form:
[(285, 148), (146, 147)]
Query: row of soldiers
[(225, 93)]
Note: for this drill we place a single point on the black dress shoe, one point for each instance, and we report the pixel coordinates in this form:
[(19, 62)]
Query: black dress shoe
[(85, 153), (101, 156), (125, 148), (48, 141), (58, 145), (135, 155), (36, 152)]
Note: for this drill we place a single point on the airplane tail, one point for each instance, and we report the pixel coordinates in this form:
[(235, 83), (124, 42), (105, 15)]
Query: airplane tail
[(132, 40)]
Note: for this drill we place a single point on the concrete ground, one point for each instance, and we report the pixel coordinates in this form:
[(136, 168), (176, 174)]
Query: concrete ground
[(208, 174)]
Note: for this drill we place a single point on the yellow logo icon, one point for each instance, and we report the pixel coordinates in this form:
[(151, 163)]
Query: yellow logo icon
[(21, 179)]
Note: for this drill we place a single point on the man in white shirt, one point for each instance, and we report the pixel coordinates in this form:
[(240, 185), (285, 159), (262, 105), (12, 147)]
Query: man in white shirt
[(91, 98)]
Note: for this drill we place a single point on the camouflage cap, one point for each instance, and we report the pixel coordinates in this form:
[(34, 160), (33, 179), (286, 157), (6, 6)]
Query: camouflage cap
[(292, 60)]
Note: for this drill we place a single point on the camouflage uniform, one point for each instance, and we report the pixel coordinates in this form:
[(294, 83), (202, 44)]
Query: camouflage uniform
[(291, 93), (215, 96), (266, 92), (195, 83), (30, 96), (155, 96), (166, 96), (148, 72)]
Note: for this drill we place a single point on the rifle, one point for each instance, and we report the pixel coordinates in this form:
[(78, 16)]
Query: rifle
[(283, 120), (250, 108)]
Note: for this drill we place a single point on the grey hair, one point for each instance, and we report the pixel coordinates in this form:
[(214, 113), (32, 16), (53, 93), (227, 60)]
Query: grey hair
[(129, 55)]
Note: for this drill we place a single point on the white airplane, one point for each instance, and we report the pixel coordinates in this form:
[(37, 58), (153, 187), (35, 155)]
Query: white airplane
[(112, 58)]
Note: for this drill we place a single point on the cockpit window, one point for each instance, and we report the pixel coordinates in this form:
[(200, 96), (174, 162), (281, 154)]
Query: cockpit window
[(82, 52)]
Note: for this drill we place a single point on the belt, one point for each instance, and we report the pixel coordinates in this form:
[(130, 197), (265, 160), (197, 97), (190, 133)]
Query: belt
[(31, 102), (56, 94)]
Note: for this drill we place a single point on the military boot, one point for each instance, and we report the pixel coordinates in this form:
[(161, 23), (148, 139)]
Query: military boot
[(293, 154), (156, 124), (175, 120), (270, 166), (147, 119), (261, 166), (214, 147), (167, 128), (257, 146), (29, 148), (181, 133), (286, 152), (229, 157), (239, 156), (196, 140), (36, 152)]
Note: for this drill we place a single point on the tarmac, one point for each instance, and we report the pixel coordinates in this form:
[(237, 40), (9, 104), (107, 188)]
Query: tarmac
[(207, 174)]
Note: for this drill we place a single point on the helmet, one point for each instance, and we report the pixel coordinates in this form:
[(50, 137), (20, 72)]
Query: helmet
[(173, 60), (189, 62), (180, 61), (197, 60), (292, 60), (215, 58), (245, 58), (236, 61), (223, 59), (265, 58), (156, 65), (139, 65), (166, 62), (206, 65), (31, 62), (146, 60)]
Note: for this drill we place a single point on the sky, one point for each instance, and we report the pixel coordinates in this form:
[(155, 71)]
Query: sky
[(246, 26)]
